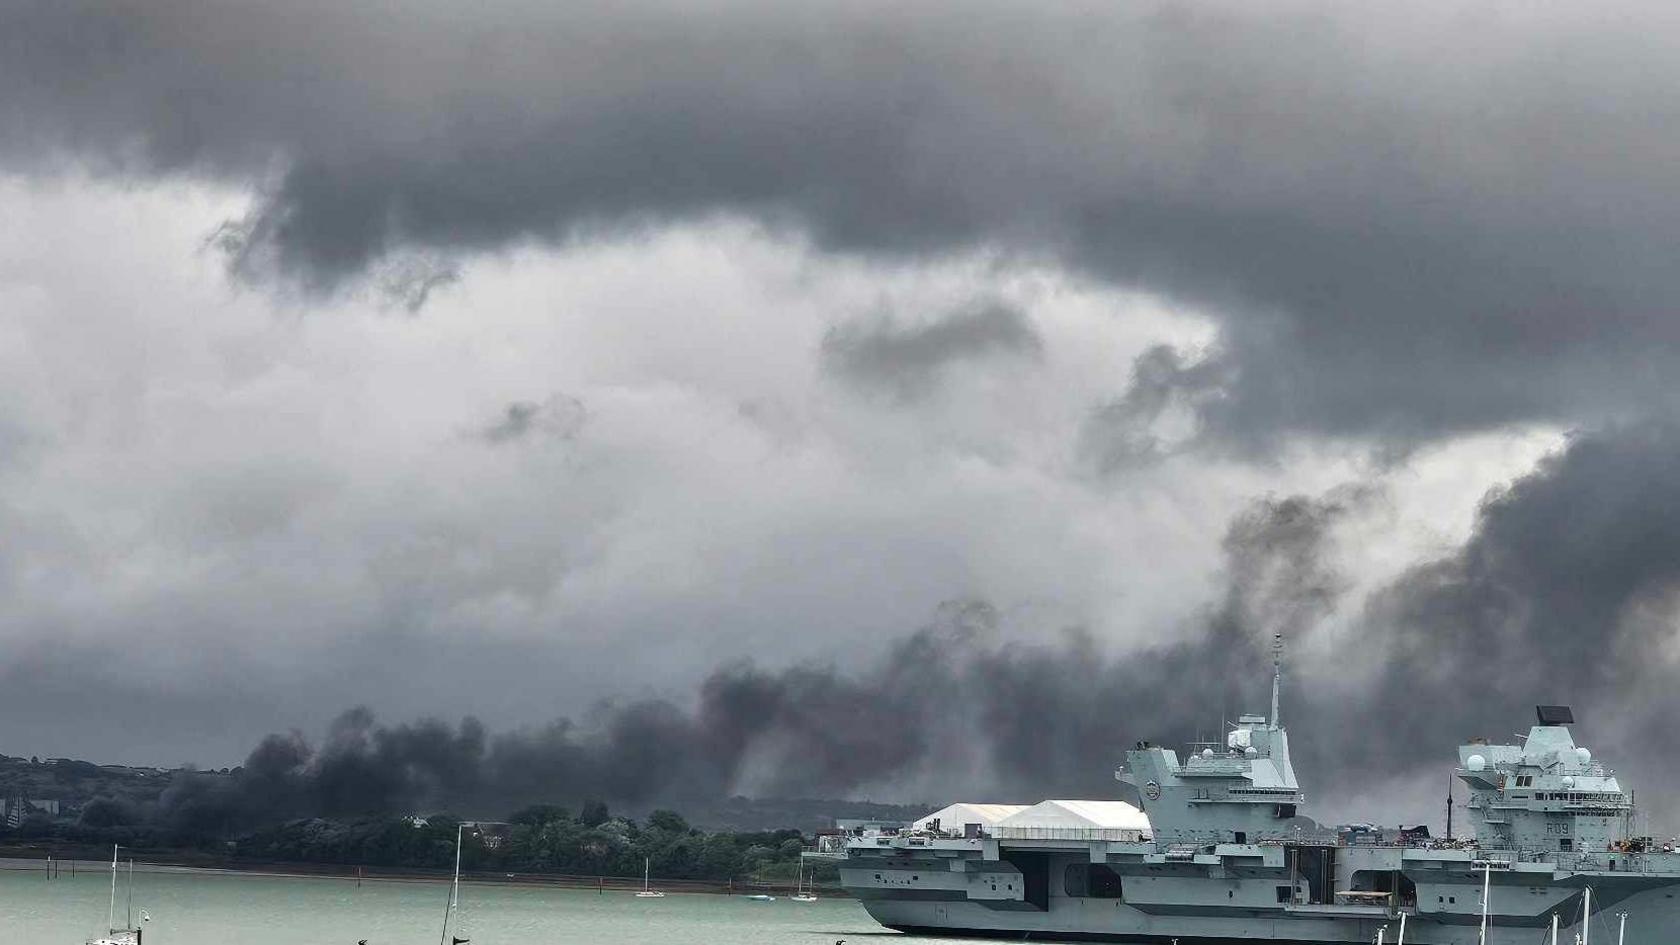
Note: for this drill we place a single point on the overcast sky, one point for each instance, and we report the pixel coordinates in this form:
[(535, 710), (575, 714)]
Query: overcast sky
[(502, 360)]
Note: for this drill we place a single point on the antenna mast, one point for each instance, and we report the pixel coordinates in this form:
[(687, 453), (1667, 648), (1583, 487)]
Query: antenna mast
[(1449, 806), (1277, 674)]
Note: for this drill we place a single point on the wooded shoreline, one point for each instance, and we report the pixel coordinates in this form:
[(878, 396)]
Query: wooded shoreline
[(68, 860)]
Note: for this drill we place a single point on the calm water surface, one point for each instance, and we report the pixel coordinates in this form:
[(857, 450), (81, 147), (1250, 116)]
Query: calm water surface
[(207, 908)]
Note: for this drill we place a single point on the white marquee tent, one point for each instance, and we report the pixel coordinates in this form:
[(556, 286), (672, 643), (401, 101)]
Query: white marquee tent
[(954, 818), (1075, 820)]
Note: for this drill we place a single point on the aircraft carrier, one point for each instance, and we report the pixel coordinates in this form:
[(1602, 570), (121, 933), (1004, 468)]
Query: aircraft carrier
[(1217, 855)]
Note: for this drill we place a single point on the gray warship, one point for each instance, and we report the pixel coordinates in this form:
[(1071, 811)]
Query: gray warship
[(1217, 855)]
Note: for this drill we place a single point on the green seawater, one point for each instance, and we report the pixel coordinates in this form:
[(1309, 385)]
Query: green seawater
[(215, 908)]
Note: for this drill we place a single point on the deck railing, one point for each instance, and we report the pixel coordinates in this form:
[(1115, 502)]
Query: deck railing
[(1122, 834)]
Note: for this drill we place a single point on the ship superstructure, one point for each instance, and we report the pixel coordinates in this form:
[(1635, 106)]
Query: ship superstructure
[(1218, 854)]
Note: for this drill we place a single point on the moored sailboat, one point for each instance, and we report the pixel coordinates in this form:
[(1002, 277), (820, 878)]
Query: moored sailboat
[(648, 892), (800, 893), (128, 934)]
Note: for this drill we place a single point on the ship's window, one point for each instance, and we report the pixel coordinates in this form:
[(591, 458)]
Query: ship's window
[(1440, 898), (1230, 894), (1285, 893), (877, 875), (1566, 844), (1452, 898), (1242, 837), (915, 879)]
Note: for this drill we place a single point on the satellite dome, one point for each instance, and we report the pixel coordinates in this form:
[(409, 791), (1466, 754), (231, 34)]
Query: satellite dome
[(1568, 782), (1476, 763), (1583, 755), (1251, 752), (1207, 752)]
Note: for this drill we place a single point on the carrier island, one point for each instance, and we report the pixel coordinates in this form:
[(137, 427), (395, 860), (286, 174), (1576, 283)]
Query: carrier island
[(1218, 854)]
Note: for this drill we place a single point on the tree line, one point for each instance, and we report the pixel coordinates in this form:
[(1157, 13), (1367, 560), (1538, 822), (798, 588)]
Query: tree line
[(537, 839)]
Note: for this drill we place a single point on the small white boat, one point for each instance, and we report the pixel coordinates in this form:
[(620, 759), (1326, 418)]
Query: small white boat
[(800, 893), (761, 897), (648, 892), (128, 934)]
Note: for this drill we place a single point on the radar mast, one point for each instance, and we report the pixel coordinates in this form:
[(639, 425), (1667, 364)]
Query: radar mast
[(1277, 675)]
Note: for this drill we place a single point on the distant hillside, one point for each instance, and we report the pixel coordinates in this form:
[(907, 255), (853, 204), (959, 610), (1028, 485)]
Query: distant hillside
[(61, 789), (36, 794)]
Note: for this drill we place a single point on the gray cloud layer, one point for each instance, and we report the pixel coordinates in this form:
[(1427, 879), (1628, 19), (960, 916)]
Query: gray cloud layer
[(1409, 221)]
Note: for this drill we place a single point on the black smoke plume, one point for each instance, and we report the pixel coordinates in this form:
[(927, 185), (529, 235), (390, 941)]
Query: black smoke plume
[(1566, 591), (947, 709)]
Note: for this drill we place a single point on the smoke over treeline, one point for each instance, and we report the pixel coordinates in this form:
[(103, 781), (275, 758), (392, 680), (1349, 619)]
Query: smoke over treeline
[(946, 709), (1564, 592)]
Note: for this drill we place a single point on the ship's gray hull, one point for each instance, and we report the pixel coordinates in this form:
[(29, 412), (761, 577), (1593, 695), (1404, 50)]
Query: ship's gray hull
[(976, 895), (1654, 919)]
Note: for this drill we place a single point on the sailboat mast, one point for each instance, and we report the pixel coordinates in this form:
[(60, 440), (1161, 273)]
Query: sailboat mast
[(454, 886), (131, 893), (111, 913)]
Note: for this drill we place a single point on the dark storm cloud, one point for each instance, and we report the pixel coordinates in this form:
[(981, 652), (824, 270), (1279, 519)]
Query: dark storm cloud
[(885, 357), (1407, 220)]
